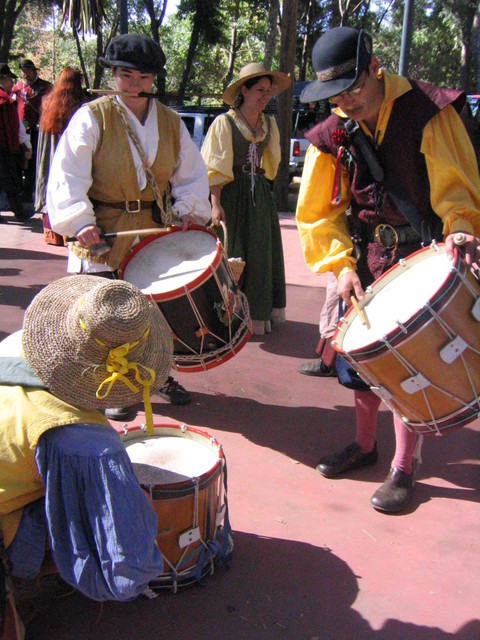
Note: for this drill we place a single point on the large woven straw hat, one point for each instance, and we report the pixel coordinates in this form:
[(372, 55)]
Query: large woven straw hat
[(280, 80), (97, 343)]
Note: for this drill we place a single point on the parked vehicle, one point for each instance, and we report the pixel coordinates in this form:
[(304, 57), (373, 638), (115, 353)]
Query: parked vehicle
[(198, 121), (298, 148), (473, 101)]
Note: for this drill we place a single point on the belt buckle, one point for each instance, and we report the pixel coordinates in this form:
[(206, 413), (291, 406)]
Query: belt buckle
[(389, 243), (132, 206), (246, 168)]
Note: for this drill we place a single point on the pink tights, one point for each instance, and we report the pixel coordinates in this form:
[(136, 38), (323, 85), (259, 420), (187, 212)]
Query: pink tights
[(366, 408)]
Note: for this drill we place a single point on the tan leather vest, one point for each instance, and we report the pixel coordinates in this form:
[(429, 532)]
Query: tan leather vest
[(115, 178)]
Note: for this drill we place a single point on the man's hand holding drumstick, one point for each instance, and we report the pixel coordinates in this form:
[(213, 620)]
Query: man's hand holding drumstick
[(468, 242), (348, 283)]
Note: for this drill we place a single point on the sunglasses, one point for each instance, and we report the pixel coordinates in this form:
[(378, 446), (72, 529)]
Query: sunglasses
[(354, 91)]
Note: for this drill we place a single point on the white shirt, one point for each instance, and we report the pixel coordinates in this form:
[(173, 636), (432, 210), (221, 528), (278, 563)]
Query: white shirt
[(70, 178), (23, 136)]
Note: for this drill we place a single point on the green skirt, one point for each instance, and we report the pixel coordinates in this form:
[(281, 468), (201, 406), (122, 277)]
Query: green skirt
[(254, 235)]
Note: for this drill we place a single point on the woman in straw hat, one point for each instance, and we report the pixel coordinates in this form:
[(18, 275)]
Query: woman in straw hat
[(242, 154), (86, 343)]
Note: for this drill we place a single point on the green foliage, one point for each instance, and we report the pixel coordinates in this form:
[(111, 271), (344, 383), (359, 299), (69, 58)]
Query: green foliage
[(211, 61), (435, 54)]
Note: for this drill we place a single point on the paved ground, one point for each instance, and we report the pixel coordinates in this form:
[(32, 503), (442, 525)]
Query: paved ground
[(312, 559)]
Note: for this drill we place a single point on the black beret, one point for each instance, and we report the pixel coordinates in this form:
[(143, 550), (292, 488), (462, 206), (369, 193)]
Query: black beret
[(135, 51), (339, 57)]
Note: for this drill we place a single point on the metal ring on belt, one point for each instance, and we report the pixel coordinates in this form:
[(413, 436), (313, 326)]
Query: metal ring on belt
[(389, 237)]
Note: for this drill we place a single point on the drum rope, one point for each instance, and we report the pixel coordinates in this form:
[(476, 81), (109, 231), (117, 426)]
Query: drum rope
[(198, 317), (413, 373), (451, 334), (217, 354), (448, 330), (472, 289)]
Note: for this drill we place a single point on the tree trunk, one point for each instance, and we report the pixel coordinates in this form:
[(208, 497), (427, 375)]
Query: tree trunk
[(9, 12), (288, 41), (232, 54), (189, 60), (310, 12), (80, 57), (155, 23), (467, 18), (272, 30), (476, 50)]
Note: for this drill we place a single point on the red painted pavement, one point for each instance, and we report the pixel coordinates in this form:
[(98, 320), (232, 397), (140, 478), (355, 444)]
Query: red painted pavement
[(312, 559)]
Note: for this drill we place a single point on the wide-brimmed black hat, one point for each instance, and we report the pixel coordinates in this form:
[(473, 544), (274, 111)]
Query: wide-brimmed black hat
[(135, 51), (5, 71), (25, 63), (338, 57)]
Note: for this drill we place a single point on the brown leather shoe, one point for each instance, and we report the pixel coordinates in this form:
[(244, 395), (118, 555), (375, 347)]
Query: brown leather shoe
[(347, 460), (317, 368), (395, 492)]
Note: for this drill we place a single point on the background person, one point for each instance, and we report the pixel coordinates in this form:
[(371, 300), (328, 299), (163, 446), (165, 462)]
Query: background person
[(98, 181), (242, 154), (12, 137), (29, 93), (324, 365), (58, 107), (64, 471), (421, 142)]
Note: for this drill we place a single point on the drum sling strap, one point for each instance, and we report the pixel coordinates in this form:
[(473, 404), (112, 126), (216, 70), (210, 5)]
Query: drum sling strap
[(426, 229)]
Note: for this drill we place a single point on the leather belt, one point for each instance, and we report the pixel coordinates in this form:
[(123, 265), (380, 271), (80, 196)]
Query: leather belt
[(389, 237), (131, 206)]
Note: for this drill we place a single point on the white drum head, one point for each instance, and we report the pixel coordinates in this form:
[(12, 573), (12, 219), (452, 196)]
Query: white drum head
[(397, 297), (166, 460), (171, 261)]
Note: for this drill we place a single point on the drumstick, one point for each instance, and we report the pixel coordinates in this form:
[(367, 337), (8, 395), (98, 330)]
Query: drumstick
[(138, 232), (360, 313)]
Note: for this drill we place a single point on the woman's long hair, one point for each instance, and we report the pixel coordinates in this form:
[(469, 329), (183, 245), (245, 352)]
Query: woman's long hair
[(60, 104)]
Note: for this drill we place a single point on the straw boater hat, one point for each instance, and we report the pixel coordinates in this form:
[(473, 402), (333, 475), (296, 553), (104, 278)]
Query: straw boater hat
[(339, 57), (280, 81), (97, 343)]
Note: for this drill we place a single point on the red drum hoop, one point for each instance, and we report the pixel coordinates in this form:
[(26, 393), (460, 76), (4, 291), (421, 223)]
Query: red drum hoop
[(188, 276), (420, 348)]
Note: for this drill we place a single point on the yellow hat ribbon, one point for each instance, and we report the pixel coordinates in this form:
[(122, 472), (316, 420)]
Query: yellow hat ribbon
[(118, 366)]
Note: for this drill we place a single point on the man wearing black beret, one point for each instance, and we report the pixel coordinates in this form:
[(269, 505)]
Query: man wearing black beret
[(417, 139), (114, 163)]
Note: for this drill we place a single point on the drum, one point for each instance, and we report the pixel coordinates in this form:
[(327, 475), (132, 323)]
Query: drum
[(188, 276), (418, 346), (182, 469)]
